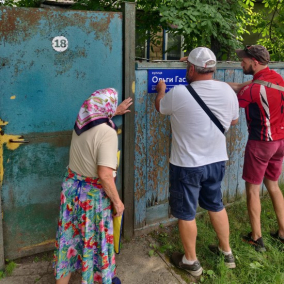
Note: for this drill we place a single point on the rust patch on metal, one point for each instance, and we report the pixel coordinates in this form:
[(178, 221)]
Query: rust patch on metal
[(100, 27), (140, 193), (231, 72), (22, 23), (17, 21), (4, 62), (64, 61)]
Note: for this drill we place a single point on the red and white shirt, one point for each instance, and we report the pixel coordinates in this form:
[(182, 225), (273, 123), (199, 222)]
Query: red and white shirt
[(264, 107)]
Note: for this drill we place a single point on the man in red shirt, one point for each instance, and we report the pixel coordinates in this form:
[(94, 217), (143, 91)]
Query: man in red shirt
[(264, 106)]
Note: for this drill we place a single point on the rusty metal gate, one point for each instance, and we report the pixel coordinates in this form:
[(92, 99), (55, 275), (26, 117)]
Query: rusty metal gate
[(50, 62), (152, 147)]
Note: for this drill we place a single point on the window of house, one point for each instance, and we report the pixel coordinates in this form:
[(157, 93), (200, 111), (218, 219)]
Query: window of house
[(173, 46), (140, 45)]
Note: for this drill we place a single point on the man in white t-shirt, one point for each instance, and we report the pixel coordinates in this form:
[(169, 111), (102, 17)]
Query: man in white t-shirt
[(198, 154)]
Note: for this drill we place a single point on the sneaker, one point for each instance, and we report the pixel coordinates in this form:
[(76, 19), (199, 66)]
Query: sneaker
[(258, 244), (194, 269), (229, 259), (277, 237)]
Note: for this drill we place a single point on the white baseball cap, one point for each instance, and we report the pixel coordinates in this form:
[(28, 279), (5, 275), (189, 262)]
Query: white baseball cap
[(200, 56)]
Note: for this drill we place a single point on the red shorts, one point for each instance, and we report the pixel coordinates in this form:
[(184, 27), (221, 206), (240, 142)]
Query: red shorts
[(263, 158)]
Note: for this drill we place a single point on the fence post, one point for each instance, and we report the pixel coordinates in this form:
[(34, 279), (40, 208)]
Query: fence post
[(128, 9)]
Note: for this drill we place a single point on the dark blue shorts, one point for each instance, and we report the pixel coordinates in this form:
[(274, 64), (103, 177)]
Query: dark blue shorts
[(190, 186)]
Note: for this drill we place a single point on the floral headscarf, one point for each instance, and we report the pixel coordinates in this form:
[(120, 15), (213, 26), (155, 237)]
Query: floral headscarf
[(97, 109)]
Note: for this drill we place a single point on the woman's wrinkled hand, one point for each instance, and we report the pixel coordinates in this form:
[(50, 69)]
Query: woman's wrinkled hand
[(123, 107), (118, 209)]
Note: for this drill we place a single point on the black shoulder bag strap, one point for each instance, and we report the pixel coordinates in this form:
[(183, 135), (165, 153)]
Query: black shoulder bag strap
[(206, 108)]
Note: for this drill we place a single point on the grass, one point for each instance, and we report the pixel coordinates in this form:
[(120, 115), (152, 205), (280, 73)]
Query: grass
[(9, 267), (252, 267)]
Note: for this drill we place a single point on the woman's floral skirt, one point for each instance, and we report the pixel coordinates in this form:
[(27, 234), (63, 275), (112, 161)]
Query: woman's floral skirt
[(84, 238)]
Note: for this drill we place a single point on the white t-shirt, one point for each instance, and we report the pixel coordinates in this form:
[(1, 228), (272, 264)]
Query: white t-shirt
[(94, 147), (196, 140)]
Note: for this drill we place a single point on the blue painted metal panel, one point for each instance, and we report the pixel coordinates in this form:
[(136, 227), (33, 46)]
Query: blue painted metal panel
[(30, 194), (41, 91), (241, 139), (140, 179), (58, 82), (231, 145), (152, 134), (158, 144), (152, 147)]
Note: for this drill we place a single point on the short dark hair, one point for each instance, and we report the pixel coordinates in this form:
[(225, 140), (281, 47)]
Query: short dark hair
[(204, 70)]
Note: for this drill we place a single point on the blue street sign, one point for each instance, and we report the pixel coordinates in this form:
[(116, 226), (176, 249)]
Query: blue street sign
[(172, 77)]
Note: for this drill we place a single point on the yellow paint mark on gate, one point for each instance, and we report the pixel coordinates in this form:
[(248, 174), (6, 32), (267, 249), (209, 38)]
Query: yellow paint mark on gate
[(43, 244), (5, 139)]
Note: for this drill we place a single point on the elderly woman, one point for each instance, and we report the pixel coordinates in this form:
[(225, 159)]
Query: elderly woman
[(89, 198)]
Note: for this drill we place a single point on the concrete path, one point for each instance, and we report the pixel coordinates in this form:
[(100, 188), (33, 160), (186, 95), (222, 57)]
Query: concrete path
[(134, 266)]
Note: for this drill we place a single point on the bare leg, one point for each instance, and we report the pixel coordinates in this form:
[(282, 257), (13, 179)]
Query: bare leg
[(220, 224), (254, 208), (278, 202), (64, 280), (188, 233)]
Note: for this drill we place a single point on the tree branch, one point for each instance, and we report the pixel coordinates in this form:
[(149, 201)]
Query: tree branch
[(270, 28)]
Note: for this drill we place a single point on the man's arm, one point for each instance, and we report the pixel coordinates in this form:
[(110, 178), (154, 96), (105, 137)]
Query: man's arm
[(235, 121), (161, 91), (238, 86)]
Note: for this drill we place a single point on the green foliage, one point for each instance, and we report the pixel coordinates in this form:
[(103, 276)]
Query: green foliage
[(217, 24), (21, 3), (214, 23), (151, 252), (9, 268), (2, 274), (268, 24), (97, 5), (153, 249)]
